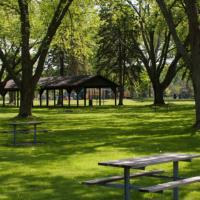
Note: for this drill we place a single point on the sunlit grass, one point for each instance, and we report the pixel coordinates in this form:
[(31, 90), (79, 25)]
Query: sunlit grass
[(88, 135)]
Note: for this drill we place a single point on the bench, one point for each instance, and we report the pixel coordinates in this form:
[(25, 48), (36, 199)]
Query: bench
[(18, 131), (24, 131), (168, 185), (28, 131), (116, 178)]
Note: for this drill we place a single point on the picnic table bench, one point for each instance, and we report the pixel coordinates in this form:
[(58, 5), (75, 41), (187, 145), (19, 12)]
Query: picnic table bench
[(142, 163), (168, 185), (23, 131), (103, 181)]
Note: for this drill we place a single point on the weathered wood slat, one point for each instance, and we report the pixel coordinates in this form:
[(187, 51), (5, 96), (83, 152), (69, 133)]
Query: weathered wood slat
[(23, 131), (30, 131), (24, 123), (168, 185), (12, 131), (166, 177), (149, 160), (115, 178)]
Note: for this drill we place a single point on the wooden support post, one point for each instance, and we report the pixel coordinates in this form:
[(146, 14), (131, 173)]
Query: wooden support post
[(62, 98), (103, 96), (114, 91), (84, 96), (41, 92), (126, 183), (69, 96), (17, 98), (14, 98), (54, 97), (40, 99), (77, 99), (47, 97), (3, 100), (99, 96), (175, 174)]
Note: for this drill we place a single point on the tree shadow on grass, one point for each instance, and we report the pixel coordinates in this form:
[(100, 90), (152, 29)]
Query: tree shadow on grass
[(88, 136)]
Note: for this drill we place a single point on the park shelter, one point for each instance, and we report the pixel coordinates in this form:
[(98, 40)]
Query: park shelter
[(69, 83)]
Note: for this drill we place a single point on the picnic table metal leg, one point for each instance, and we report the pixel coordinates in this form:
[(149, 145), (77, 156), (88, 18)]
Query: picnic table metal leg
[(126, 183), (175, 174), (15, 135), (35, 139)]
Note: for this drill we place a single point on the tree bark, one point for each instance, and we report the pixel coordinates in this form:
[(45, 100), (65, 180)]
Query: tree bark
[(158, 94), (27, 96), (61, 74), (30, 77), (121, 94), (193, 60), (196, 85)]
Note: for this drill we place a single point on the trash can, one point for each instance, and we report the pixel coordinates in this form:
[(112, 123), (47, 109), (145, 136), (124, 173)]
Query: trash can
[(90, 102), (174, 96)]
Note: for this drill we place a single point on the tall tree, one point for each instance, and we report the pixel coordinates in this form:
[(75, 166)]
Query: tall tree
[(154, 48), (192, 10), (10, 45), (49, 16), (113, 58), (75, 40)]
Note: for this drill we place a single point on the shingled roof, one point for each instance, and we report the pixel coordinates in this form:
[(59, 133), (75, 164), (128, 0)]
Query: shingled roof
[(68, 82)]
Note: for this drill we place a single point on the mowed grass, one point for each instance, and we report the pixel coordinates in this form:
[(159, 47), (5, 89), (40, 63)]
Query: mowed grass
[(88, 135)]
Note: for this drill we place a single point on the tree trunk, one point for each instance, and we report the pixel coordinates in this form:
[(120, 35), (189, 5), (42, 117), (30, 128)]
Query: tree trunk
[(11, 97), (27, 96), (192, 59), (120, 73), (61, 74), (150, 91), (158, 94), (196, 85)]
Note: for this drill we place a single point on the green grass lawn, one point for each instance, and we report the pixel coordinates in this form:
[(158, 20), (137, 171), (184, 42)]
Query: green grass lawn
[(88, 135)]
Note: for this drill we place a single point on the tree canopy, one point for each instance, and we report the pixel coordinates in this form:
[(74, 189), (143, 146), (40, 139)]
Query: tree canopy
[(191, 8), (35, 24)]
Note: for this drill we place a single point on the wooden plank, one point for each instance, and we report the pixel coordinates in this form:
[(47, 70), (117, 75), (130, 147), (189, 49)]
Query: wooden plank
[(115, 178), (36, 131), (12, 131), (168, 185), (24, 131), (7, 131), (166, 177), (23, 123), (144, 161)]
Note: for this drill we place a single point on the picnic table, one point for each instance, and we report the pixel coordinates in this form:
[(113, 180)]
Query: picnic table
[(24, 131), (142, 163)]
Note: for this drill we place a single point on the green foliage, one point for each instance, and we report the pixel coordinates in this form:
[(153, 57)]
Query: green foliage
[(143, 84), (114, 60), (75, 39), (179, 86)]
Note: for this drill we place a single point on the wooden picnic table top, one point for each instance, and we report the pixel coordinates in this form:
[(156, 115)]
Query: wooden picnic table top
[(142, 162), (23, 123)]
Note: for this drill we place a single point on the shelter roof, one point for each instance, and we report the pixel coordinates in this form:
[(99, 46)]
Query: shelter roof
[(68, 82)]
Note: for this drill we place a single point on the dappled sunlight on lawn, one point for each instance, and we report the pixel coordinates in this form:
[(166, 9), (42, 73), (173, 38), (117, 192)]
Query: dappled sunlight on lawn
[(87, 135)]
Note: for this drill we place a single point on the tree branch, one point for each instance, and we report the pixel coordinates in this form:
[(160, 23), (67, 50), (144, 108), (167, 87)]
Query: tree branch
[(169, 19)]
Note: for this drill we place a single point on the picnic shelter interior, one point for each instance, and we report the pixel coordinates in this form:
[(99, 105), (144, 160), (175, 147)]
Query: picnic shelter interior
[(68, 83)]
